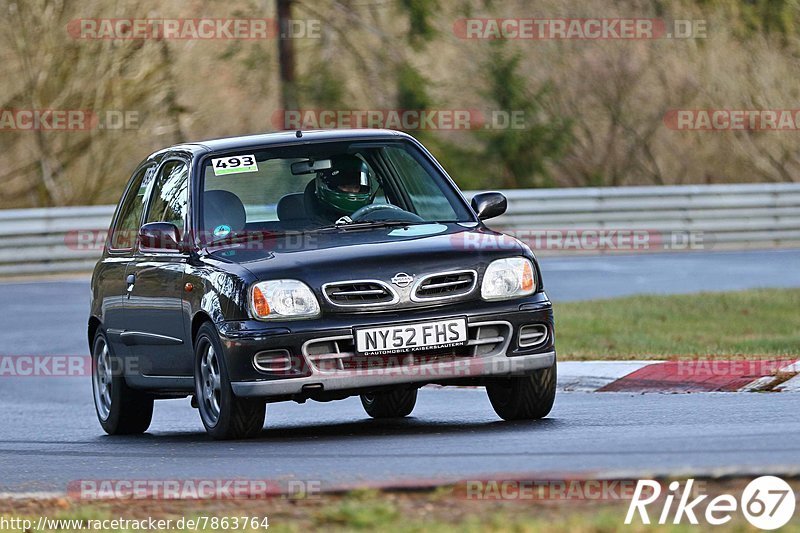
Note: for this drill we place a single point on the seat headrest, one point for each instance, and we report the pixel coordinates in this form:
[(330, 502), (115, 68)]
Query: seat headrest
[(223, 208), (292, 207)]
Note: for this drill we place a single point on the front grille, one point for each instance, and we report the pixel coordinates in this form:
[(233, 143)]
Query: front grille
[(445, 285), (330, 354), (359, 293), (339, 354)]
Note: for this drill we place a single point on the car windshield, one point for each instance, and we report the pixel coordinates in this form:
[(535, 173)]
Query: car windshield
[(300, 188)]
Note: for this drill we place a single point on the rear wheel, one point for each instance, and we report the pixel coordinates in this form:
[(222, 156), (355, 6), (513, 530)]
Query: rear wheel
[(525, 397), (120, 409), (224, 415), (392, 404)]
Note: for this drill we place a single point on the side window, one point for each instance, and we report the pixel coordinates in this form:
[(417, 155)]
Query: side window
[(170, 197), (124, 233)]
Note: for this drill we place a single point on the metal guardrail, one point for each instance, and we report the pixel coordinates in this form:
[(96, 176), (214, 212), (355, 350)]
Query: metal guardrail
[(54, 240), (40, 241), (742, 215)]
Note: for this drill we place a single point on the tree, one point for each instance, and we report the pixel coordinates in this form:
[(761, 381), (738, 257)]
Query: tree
[(56, 71), (523, 154)]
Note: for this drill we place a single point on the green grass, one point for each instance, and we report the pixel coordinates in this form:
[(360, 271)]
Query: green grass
[(747, 324)]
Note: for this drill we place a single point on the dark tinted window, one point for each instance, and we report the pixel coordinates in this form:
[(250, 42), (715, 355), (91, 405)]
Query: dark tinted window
[(127, 227), (170, 194), (278, 188)]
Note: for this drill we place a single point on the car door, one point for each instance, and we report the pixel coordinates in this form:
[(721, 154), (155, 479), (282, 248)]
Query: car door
[(155, 325), (109, 280)]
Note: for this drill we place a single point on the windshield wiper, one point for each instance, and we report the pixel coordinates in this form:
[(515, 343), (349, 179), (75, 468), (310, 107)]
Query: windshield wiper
[(370, 224)]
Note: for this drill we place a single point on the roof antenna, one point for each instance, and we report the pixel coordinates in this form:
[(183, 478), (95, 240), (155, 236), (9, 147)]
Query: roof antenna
[(298, 134)]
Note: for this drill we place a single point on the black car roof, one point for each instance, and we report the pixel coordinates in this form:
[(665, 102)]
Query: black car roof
[(282, 137)]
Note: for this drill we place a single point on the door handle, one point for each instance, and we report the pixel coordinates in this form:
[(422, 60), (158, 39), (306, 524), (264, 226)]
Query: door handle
[(131, 281)]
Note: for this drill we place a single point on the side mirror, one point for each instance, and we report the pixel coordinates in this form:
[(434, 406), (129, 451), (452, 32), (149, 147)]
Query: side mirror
[(489, 204), (159, 236)]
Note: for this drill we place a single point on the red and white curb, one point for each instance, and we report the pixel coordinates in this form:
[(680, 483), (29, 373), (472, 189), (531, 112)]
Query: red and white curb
[(680, 376)]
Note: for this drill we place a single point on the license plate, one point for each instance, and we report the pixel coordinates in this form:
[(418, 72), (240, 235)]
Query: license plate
[(404, 338)]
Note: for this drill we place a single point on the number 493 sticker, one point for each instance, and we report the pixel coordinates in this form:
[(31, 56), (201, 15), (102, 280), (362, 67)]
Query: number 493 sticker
[(234, 164)]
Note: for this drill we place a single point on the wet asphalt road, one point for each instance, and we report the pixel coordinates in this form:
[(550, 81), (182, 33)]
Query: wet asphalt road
[(52, 438), (49, 435)]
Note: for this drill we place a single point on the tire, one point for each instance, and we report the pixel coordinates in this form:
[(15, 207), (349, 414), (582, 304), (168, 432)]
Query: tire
[(524, 398), (392, 404), (224, 416), (120, 409)]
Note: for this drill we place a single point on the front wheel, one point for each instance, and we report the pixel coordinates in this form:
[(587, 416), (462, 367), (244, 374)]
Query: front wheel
[(527, 397), (120, 409), (392, 404), (224, 415)]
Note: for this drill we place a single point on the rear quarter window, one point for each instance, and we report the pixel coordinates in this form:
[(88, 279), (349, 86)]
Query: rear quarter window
[(123, 235)]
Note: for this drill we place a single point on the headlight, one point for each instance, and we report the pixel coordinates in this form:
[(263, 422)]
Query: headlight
[(508, 278), (282, 298)]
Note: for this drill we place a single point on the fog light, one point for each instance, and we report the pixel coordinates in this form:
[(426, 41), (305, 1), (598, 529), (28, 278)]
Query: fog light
[(273, 361)]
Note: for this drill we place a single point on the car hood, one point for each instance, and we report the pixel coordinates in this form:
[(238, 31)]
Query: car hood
[(317, 258)]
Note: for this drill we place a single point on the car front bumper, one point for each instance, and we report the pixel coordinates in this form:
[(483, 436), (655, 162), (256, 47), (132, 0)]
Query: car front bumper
[(496, 365), (495, 349)]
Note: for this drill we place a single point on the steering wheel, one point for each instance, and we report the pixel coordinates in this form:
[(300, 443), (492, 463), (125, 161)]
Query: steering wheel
[(374, 211)]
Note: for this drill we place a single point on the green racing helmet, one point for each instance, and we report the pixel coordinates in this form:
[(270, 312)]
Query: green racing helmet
[(344, 188)]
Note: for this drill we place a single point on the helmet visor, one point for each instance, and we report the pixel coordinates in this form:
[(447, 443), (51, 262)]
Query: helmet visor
[(345, 183), (350, 178)]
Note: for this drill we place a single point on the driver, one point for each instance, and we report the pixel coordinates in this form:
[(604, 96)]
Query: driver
[(344, 188)]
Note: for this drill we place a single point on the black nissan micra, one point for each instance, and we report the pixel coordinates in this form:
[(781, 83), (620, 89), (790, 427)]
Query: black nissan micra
[(310, 265)]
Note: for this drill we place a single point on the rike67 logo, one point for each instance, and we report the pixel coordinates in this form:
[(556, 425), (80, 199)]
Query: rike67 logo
[(767, 502)]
